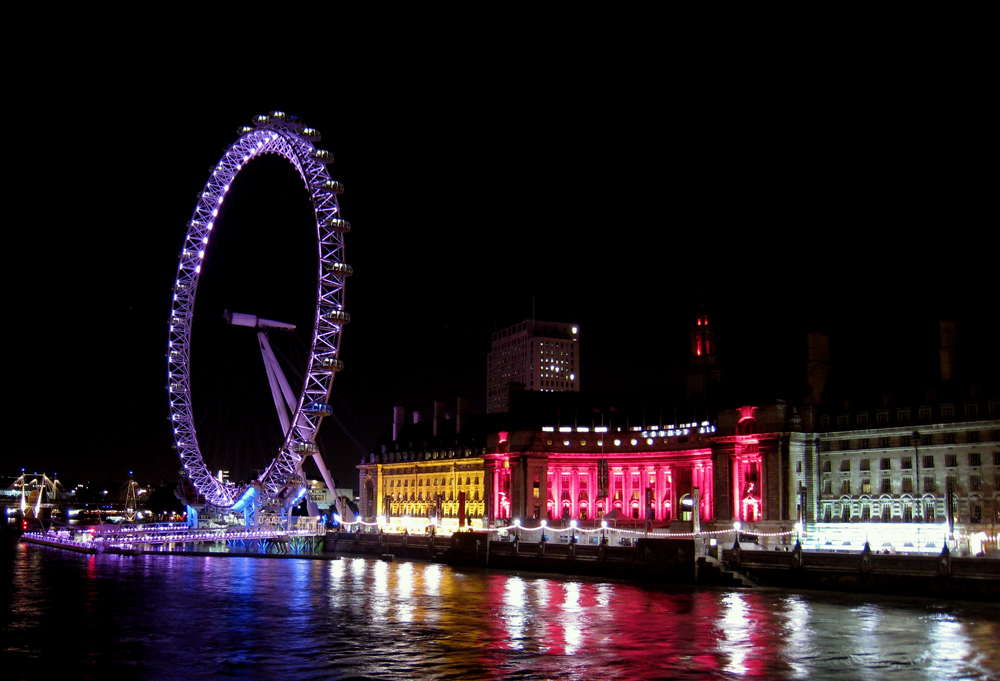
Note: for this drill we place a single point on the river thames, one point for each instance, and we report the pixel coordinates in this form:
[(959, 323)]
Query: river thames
[(68, 615)]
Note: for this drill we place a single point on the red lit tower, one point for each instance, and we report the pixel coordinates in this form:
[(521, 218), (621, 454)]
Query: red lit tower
[(704, 373)]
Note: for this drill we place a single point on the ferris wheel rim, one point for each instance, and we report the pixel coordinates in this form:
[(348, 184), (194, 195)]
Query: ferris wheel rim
[(283, 135)]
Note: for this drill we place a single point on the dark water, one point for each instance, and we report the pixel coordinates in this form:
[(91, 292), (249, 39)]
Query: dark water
[(74, 616)]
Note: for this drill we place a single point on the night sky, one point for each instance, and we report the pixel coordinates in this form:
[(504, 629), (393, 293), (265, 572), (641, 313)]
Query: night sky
[(613, 188)]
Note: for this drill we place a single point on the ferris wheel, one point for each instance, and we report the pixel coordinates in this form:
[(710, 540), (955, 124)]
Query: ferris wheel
[(283, 135)]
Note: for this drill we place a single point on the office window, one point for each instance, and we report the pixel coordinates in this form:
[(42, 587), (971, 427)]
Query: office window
[(951, 460), (996, 458), (883, 442), (865, 443), (886, 464), (882, 417), (929, 486), (925, 414), (845, 466), (886, 486), (951, 482), (827, 466), (904, 441), (866, 485), (866, 464), (908, 485), (906, 463), (828, 487), (928, 439), (975, 483), (928, 461), (972, 436), (975, 459), (845, 487)]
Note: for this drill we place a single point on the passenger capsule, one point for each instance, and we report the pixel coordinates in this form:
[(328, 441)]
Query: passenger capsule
[(341, 268), (332, 186), (244, 129), (329, 365), (319, 409), (323, 155), (337, 316), (260, 119), (310, 134), (303, 447), (277, 115), (338, 225)]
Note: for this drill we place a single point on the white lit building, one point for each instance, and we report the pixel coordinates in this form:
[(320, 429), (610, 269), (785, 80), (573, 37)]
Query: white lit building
[(532, 355)]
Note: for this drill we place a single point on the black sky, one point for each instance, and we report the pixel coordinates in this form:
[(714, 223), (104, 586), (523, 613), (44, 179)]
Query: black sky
[(617, 188)]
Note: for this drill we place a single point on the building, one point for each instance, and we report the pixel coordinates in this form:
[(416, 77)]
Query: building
[(428, 471), (532, 355), (905, 468)]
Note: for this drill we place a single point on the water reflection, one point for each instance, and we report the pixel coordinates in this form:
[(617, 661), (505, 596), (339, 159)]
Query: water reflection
[(183, 617)]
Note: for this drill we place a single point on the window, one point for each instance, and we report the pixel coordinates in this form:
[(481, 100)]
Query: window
[(866, 464), (975, 483), (845, 466), (798, 466), (907, 513), (886, 486), (908, 485), (863, 419), (828, 487), (845, 445), (866, 485), (882, 417), (949, 438), (996, 458), (825, 446), (971, 409), (904, 441), (951, 460), (975, 511), (826, 466), (973, 436), (975, 459), (824, 421), (928, 461), (845, 487), (886, 464), (929, 511), (866, 443), (886, 512), (827, 513), (903, 415), (929, 486), (925, 414), (952, 482), (883, 442), (906, 463), (865, 512), (843, 420), (928, 439), (947, 411)]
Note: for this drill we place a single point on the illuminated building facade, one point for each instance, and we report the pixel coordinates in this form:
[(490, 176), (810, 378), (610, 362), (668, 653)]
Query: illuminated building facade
[(540, 356), (429, 472), (895, 463)]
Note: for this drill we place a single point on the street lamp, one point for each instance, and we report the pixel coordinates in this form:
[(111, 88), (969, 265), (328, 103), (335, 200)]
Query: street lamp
[(572, 531)]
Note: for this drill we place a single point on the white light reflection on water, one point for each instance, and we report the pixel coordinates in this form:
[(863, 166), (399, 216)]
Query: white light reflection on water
[(404, 593), (572, 625), (513, 611), (797, 642), (737, 633)]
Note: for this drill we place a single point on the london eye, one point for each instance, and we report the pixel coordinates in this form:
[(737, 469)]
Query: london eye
[(301, 401)]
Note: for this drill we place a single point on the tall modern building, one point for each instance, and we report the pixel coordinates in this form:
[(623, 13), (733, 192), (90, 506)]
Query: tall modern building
[(532, 355)]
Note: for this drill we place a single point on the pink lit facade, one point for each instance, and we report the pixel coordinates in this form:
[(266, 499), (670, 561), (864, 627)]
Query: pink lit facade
[(585, 476)]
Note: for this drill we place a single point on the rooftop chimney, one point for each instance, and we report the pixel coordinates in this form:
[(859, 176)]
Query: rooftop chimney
[(817, 366), (398, 419), (438, 416), (949, 345)]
